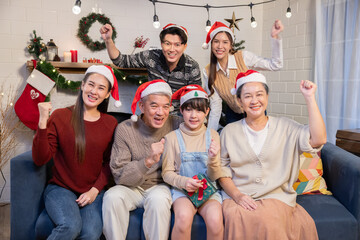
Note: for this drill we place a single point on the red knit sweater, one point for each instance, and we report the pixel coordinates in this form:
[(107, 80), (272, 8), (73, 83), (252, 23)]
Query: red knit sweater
[(57, 141)]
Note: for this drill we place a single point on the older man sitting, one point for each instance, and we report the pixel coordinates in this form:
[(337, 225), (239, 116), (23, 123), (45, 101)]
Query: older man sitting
[(136, 167)]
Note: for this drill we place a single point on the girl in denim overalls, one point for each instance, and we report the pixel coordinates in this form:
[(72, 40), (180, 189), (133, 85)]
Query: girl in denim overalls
[(188, 151)]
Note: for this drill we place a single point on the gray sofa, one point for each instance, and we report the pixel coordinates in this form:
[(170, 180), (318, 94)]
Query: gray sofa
[(336, 216)]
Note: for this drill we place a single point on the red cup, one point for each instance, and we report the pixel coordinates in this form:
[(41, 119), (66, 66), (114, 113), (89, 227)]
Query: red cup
[(73, 55)]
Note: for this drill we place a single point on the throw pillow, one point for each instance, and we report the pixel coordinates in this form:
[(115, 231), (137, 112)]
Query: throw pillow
[(310, 180)]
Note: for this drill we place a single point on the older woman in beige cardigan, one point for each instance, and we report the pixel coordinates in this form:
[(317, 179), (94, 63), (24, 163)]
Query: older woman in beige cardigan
[(260, 158)]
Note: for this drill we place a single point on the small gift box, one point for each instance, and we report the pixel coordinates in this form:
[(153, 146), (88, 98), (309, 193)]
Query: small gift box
[(204, 192)]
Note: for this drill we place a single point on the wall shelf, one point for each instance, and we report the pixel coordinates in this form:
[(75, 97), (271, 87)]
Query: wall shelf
[(80, 68)]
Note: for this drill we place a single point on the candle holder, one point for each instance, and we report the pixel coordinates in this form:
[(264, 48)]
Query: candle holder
[(52, 50)]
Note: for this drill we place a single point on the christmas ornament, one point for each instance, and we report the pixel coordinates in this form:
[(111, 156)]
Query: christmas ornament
[(139, 43), (84, 25), (233, 22), (36, 47)]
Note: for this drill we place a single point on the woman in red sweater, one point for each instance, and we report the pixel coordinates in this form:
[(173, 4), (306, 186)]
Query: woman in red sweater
[(79, 140)]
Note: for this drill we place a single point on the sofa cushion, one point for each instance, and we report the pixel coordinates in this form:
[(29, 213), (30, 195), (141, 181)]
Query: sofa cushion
[(332, 219), (310, 180)]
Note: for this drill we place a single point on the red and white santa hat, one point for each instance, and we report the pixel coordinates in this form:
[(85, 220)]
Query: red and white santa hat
[(107, 72), (189, 92), (215, 29), (245, 77), (170, 25), (145, 89)]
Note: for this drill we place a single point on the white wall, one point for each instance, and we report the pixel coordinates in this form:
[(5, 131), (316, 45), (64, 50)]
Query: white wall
[(298, 42), (133, 18)]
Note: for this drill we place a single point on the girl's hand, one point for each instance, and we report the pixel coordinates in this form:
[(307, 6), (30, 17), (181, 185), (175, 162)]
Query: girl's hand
[(192, 184), (87, 197), (246, 202), (307, 89), (276, 29), (44, 112), (213, 149)]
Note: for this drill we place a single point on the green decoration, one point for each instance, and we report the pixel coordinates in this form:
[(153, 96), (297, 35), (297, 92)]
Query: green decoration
[(36, 47), (61, 82), (238, 45), (84, 25), (196, 94)]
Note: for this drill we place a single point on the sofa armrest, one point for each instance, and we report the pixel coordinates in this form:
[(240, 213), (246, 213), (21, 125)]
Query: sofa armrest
[(27, 185), (342, 176)]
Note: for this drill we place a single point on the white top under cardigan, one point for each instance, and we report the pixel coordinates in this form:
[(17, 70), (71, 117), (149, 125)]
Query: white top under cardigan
[(251, 61), (272, 173), (256, 138)]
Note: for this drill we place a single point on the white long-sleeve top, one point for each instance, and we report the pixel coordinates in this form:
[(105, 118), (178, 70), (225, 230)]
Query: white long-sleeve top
[(252, 61)]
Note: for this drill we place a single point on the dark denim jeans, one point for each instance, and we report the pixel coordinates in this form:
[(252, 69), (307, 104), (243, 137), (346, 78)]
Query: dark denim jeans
[(72, 221)]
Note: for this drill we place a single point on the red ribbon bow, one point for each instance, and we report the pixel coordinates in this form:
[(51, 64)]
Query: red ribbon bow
[(201, 189)]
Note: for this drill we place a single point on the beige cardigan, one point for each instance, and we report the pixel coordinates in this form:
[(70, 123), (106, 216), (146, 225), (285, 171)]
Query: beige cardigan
[(273, 172)]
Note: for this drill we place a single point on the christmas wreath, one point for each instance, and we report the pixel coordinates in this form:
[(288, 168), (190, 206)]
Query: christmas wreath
[(84, 25)]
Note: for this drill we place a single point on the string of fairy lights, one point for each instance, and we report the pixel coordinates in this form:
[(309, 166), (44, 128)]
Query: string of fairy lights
[(156, 22), (253, 23)]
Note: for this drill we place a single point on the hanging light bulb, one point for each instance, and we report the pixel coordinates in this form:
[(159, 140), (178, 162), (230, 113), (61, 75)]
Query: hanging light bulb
[(156, 22), (288, 11), (208, 23), (253, 22), (208, 26), (252, 19), (77, 7)]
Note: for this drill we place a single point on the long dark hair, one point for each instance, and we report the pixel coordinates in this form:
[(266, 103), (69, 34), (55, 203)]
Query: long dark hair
[(213, 62), (77, 121)]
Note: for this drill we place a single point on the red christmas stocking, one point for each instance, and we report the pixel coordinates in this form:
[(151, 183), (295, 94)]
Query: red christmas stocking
[(26, 107)]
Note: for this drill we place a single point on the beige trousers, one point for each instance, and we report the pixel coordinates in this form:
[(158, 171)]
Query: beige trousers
[(119, 200)]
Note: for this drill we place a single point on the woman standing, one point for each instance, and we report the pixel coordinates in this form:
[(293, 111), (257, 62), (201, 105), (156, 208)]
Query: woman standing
[(261, 155), (226, 64), (79, 140)]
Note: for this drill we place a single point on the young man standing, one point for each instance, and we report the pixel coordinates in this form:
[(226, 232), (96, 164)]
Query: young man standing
[(168, 63)]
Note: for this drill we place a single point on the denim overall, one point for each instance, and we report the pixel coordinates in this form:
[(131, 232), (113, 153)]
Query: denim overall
[(193, 163)]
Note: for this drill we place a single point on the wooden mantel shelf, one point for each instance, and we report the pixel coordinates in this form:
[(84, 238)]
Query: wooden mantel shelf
[(80, 68)]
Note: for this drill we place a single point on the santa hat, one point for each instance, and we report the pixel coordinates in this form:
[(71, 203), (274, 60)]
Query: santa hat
[(189, 92), (215, 29), (248, 76), (145, 89), (107, 72), (170, 25)]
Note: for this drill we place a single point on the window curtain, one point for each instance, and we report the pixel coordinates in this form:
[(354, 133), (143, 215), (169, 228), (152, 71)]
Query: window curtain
[(337, 64)]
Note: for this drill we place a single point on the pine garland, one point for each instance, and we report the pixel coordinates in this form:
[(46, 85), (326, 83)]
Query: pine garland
[(84, 25), (61, 82), (238, 45)]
